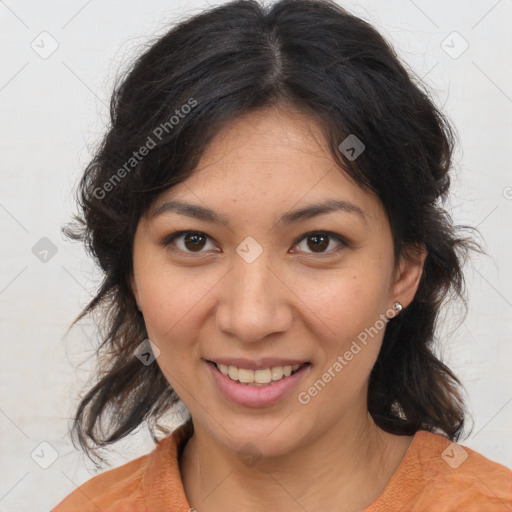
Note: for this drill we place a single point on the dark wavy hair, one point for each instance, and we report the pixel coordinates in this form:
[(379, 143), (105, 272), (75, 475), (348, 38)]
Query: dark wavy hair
[(310, 55)]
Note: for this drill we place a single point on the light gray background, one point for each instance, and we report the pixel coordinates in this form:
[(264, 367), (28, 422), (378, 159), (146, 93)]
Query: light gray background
[(54, 109)]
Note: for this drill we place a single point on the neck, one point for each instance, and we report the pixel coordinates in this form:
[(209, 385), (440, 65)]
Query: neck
[(349, 464)]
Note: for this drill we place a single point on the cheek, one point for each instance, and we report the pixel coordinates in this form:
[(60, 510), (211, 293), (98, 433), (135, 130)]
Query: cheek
[(346, 302), (354, 311), (175, 305), (171, 307)]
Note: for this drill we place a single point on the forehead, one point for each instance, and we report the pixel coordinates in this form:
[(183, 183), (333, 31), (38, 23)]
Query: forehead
[(270, 158), (273, 137)]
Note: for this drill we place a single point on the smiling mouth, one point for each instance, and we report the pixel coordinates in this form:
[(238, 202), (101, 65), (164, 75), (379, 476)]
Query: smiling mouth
[(261, 377)]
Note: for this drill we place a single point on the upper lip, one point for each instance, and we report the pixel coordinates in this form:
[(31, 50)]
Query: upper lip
[(258, 364)]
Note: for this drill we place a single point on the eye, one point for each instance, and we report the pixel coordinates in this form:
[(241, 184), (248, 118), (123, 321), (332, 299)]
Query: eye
[(319, 241), (190, 241)]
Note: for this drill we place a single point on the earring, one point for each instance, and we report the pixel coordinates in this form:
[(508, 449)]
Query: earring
[(398, 307), (138, 307)]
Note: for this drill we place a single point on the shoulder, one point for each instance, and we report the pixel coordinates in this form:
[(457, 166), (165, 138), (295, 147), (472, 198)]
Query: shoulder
[(120, 489), (457, 458), (466, 478), (438, 474), (459, 478)]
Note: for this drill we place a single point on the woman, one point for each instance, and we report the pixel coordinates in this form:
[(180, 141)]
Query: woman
[(267, 209)]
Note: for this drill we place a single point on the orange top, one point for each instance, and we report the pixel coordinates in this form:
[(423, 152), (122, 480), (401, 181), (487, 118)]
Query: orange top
[(435, 475)]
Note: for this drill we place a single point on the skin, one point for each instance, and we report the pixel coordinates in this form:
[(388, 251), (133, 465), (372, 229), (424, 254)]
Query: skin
[(290, 302)]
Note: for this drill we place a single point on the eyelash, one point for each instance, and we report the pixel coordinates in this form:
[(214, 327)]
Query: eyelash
[(169, 239)]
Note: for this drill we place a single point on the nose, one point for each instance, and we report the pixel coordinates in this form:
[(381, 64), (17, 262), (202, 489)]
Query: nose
[(254, 302)]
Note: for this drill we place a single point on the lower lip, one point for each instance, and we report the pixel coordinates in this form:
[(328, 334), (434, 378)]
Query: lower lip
[(256, 396)]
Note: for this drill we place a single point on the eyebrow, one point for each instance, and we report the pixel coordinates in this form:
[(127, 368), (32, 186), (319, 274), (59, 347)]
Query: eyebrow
[(307, 212)]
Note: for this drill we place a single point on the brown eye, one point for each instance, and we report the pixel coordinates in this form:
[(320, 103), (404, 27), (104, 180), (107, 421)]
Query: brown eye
[(194, 241), (186, 241), (318, 242)]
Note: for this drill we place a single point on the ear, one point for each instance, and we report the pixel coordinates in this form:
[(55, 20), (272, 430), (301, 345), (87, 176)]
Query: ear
[(408, 274)]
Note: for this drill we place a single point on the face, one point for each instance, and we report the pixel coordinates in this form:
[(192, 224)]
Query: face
[(246, 285)]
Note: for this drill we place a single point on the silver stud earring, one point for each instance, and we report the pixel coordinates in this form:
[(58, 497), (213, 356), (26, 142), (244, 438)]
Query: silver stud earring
[(398, 307)]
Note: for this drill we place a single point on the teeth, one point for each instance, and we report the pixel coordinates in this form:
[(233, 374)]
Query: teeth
[(263, 376), (245, 375), (277, 372), (232, 372)]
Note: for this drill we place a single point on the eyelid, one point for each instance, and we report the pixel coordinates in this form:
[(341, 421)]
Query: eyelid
[(343, 242), (169, 239)]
